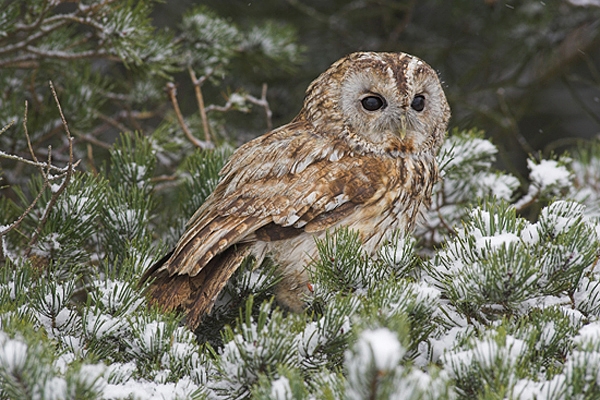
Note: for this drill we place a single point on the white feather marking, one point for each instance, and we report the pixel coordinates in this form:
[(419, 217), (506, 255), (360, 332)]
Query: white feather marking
[(291, 219), (336, 155), (337, 200), (341, 198), (330, 206), (301, 165), (263, 170), (310, 198)]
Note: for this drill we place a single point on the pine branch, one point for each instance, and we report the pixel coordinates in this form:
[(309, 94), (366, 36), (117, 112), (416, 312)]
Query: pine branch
[(70, 169)]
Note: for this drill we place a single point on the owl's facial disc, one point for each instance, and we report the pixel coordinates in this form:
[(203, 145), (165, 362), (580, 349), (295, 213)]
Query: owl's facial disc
[(389, 97), (371, 106)]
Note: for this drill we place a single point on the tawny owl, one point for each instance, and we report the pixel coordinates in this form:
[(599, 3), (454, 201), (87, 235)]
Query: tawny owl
[(360, 154)]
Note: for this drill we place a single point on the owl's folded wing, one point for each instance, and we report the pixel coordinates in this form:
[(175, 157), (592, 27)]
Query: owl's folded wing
[(276, 187)]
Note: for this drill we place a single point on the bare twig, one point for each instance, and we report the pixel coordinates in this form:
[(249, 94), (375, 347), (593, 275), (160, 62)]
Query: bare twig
[(32, 163), (69, 170), (200, 100), (65, 125), (15, 224), (20, 219), (113, 122), (90, 156), (7, 127), (172, 92), (262, 102), (29, 145), (92, 140), (164, 182), (232, 102)]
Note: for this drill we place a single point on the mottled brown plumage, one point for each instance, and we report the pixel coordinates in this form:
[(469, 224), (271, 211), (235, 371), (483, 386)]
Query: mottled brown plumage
[(360, 154)]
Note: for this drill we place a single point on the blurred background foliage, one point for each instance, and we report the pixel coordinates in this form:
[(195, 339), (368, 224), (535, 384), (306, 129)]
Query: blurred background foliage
[(526, 72)]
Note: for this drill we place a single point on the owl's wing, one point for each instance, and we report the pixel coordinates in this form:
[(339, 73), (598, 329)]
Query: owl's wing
[(275, 187)]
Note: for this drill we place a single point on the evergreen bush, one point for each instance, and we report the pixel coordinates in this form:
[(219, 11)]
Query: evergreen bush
[(497, 294)]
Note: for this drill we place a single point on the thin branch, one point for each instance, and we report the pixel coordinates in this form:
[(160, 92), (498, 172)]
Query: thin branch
[(67, 176), (65, 124), (90, 156), (200, 100), (32, 163), (15, 224), (582, 103), (262, 102), (172, 92), (64, 55), (31, 38), (83, 16), (32, 58), (35, 24), (94, 141), (163, 182), (111, 121), (7, 127), (230, 104), (164, 178), (18, 221), (29, 146)]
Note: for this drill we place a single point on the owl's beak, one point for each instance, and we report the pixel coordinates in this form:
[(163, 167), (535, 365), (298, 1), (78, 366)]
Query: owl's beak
[(402, 126)]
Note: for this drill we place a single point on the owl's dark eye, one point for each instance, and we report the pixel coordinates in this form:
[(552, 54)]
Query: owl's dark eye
[(418, 103), (373, 103)]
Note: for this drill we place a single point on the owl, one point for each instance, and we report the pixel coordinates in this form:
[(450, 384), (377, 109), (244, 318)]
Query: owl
[(360, 154)]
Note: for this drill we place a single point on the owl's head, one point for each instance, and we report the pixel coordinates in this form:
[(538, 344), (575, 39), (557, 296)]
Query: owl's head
[(385, 101)]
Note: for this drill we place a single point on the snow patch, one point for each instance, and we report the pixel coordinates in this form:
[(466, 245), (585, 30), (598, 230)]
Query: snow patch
[(548, 173), (13, 356), (380, 346), (280, 389)]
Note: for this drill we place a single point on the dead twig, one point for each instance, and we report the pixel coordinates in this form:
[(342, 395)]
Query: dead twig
[(20, 219), (262, 102), (172, 92), (200, 100), (7, 127), (46, 170), (233, 103), (69, 170), (90, 156)]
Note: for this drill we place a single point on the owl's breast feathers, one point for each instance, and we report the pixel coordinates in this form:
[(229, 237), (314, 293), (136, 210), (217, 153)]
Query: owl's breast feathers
[(288, 182)]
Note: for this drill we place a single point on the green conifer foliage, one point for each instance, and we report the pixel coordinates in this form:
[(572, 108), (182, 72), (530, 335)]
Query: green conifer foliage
[(495, 296)]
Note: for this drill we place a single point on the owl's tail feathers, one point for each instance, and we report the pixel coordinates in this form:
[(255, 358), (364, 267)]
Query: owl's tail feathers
[(193, 295)]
